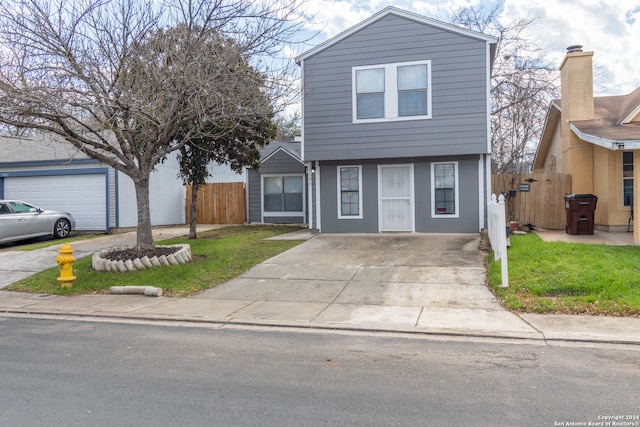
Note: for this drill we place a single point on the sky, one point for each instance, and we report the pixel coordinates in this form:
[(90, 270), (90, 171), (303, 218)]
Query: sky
[(609, 28)]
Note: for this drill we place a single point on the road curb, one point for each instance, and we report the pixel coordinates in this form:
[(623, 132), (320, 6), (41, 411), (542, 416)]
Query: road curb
[(318, 327)]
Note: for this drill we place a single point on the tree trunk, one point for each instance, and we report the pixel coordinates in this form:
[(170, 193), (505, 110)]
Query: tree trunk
[(193, 211), (145, 237)]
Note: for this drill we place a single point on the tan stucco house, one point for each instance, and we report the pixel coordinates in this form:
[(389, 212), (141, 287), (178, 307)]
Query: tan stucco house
[(597, 141)]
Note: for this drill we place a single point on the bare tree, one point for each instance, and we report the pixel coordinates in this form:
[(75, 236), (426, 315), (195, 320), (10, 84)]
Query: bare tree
[(121, 79), (523, 82)]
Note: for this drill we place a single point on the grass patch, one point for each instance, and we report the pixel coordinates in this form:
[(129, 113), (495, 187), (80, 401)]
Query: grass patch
[(218, 256), (569, 278)]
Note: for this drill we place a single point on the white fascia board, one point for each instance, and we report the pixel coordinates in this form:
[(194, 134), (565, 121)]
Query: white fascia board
[(611, 144), (631, 115), (398, 12), (546, 128)]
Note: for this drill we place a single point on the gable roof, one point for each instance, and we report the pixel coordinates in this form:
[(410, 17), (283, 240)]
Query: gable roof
[(612, 126), (616, 124), (290, 148), (403, 14)]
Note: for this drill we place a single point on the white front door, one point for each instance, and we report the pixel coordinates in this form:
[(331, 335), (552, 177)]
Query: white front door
[(395, 184)]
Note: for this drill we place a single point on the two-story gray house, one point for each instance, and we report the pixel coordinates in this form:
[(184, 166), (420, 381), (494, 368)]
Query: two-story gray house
[(396, 127)]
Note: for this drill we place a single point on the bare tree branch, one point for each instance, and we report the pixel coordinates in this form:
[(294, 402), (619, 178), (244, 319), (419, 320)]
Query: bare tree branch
[(523, 83), (120, 79)]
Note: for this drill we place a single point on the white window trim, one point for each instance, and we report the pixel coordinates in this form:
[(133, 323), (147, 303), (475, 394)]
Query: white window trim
[(269, 214), (390, 92), (339, 190), (456, 189)]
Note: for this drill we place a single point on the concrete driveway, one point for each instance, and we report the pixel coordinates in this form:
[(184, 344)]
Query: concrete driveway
[(415, 283), (389, 281)]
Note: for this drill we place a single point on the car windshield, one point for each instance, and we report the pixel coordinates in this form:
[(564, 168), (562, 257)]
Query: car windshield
[(19, 207)]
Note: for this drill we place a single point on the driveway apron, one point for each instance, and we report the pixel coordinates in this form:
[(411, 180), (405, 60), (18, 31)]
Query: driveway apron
[(431, 282)]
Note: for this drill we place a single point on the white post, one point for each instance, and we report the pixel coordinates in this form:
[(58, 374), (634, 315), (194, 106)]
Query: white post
[(498, 235), (502, 224)]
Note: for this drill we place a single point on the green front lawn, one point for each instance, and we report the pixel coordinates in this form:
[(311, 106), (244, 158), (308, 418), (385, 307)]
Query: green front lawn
[(544, 277), (569, 278), (218, 256)]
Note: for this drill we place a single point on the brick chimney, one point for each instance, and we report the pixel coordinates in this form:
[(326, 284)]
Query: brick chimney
[(576, 80)]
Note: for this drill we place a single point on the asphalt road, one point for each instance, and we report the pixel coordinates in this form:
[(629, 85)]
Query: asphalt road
[(78, 373)]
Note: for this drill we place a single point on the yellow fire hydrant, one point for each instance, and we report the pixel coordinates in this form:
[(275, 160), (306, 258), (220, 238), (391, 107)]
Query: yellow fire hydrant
[(65, 261)]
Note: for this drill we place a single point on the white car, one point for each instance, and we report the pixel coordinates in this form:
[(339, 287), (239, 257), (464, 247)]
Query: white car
[(20, 220)]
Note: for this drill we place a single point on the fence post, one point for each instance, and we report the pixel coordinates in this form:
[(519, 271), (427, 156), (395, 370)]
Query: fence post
[(498, 235)]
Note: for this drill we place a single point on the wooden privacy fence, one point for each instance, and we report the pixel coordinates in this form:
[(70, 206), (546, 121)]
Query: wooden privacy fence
[(221, 203), (542, 205)]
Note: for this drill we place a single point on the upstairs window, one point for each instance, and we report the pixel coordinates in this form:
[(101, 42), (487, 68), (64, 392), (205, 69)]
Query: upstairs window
[(412, 90), (388, 92), (370, 93)]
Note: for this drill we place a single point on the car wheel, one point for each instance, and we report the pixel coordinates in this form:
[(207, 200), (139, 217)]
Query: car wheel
[(61, 229)]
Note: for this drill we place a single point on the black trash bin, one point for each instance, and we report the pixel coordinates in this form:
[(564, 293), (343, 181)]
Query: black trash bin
[(580, 210)]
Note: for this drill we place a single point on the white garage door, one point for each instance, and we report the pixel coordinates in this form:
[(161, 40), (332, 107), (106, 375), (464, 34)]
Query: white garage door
[(84, 196)]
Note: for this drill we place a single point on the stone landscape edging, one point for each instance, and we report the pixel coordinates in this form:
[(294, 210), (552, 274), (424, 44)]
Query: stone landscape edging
[(101, 262)]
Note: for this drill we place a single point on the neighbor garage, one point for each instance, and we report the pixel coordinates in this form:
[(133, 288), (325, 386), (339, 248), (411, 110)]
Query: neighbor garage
[(83, 195), (52, 174)]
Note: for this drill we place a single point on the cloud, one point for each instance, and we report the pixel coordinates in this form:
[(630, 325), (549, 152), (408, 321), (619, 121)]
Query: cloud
[(610, 29), (630, 15), (334, 17), (604, 28)]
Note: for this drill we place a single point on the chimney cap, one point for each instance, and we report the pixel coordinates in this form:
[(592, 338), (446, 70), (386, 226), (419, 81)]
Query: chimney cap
[(574, 48)]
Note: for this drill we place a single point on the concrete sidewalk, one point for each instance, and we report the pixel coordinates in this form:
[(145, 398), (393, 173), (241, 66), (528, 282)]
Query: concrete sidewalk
[(413, 283), (597, 238)]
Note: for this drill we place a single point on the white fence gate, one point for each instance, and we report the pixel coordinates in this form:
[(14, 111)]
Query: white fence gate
[(498, 235)]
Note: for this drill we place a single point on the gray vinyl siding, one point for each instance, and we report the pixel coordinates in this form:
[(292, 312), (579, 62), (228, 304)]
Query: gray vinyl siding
[(459, 94), (469, 189), (254, 202), (280, 163), (285, 220), (329, 199)]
